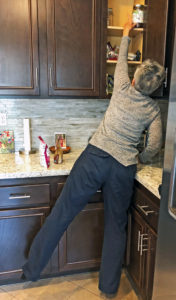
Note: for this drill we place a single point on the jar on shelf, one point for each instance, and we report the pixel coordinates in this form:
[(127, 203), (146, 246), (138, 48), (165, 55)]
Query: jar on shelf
[(110, 17), (139, 15)]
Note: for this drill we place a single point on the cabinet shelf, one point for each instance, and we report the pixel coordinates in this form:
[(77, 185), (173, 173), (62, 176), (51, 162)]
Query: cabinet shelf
[(129, 62), (118, 31)]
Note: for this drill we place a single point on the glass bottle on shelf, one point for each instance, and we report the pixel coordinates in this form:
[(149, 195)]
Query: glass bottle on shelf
[(110, 17), (139, 15)]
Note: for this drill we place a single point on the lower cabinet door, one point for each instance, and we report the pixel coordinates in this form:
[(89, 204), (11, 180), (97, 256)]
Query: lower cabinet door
[(136, 260), (141, 263), (81, 245), (150, 264), (17, 231)]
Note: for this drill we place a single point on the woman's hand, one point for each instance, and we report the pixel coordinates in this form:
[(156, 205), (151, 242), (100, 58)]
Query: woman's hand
[(129, 25)]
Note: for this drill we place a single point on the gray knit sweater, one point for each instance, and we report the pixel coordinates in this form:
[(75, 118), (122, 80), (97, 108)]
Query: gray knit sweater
[(128, 114)]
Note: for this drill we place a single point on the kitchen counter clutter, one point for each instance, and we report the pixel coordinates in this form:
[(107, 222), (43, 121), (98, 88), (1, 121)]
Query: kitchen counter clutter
[(24, 166)]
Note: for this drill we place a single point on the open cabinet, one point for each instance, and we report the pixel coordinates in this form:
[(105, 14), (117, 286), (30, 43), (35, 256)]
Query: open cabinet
[(147, 42)]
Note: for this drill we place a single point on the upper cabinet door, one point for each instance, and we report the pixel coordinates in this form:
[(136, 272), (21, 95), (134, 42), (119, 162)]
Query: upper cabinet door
[(73, 35), (19, 62), (156, 32)]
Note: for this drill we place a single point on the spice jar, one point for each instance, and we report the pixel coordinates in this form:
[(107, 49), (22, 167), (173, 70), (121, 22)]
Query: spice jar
[(110, 17), (138, 15)]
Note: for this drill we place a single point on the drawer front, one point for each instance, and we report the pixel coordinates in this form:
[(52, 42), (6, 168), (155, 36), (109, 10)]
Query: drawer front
[(147, 208), (98, 197), (24, 196)]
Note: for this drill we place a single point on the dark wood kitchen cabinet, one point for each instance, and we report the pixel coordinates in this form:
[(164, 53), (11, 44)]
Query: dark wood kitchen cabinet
[(18, 227), (52, 47), (23, 209), (19, 61), (150, 40), (24, 205), (74, 47), (156, 30), (155, 36), (57, 48), (81, 245), (142, 237)]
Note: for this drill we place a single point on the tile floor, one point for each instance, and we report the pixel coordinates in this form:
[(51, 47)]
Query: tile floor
[(73, 287)]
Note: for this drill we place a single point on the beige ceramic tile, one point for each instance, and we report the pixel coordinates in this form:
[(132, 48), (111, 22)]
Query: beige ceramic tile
[(83, 294), (80, 277), (125, 287), (5, 295), (28, 284), (130, 296), (82, 286), (60, 290), (89, 282)]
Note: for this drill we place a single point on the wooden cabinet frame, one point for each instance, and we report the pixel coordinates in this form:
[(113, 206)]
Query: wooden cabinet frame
[(12, 218), (151, 41), (56, 64), (33, 87), (43, 64), (27, 218), (141, 242), (67, 261)]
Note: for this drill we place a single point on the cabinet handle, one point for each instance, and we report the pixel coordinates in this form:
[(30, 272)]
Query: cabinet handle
[(144, 237), (50, 74), (19, 196), (143, 207), (166, 78), (36, 77)]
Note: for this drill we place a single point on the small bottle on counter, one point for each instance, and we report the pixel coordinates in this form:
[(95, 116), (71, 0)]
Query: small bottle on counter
[(58, 155)]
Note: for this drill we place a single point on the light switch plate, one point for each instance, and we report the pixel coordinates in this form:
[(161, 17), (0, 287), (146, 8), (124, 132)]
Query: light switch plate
[(3, 119)]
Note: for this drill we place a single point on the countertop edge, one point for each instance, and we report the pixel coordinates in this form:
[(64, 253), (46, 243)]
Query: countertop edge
[(19, 167)]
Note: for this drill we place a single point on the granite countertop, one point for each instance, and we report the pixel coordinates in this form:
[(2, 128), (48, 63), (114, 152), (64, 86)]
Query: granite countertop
[(150, 176), (24, 166)]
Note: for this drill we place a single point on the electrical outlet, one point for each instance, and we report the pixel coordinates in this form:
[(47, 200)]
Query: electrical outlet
[(3, 119)]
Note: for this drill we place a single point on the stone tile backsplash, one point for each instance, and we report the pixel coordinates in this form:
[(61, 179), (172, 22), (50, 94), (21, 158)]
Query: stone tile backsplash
[(78, 118)]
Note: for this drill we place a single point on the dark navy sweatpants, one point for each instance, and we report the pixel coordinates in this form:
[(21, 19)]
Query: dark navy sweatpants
[(93, 170)]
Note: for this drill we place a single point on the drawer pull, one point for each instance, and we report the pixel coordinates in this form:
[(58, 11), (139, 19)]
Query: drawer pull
[(51, 80), (144, 237), (36, 77), (19, 196), (146, 212)]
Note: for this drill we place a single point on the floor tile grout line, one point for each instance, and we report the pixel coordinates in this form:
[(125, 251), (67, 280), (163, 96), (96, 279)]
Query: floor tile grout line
[(88, 290), (79, 285)]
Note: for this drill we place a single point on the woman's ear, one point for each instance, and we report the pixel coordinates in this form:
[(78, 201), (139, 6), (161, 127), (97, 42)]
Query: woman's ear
[(133, 82)]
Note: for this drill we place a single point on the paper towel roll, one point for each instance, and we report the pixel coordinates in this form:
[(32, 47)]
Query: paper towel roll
[(27, 136)]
